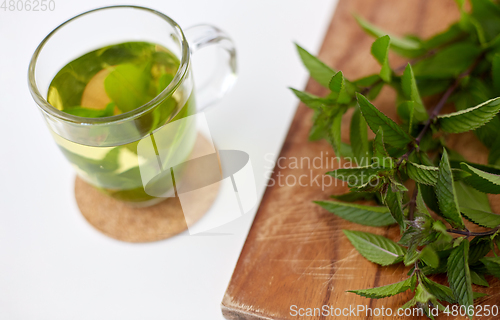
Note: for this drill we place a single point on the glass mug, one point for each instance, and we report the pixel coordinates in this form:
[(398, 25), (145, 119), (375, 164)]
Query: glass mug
[(104, 150)]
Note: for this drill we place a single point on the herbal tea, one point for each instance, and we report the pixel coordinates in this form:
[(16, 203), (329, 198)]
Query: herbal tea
[(110, 81)]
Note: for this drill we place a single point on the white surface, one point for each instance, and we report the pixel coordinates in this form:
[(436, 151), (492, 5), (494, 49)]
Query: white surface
[(53, 264)]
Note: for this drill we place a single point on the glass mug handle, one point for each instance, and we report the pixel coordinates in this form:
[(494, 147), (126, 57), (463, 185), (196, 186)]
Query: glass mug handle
[(225, 74)]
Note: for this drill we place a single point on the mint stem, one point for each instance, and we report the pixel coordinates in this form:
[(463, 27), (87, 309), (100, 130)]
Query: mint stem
[(438, 107), (474, 234)]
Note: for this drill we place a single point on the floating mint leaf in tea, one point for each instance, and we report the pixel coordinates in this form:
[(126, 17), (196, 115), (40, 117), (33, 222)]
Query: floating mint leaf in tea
[(114, 80), (129, 74)]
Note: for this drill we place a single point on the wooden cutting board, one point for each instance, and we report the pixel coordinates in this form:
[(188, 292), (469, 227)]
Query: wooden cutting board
[(296, 253)]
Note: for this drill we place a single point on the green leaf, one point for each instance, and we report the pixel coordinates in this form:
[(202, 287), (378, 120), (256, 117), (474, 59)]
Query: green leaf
[(443, 293), (404, 46), (317, 69), (384, 291), (337, 83), (492, 265), (375, 248), (446, 63), (421, 207), (429, 256), (393, 134), (321, 122), (469, 119), (482, 181), (356, 176), (479, 247), (495, 73), (494, 155), (446, 196), (310, 100), (410, 90), (394, 201), (353, 196), (478, 279), (358, 213), (338, 86), (92, 113), (487, 14), (422, 174), (453, 33), (430, 198), (440, 291), (380, 50), (459, 274), (127, 85), (335, 133), (409, 86), (412, 255), (380, 156), (488, 168), (424, 299), (481, 218), (359, 138), (470, 197)]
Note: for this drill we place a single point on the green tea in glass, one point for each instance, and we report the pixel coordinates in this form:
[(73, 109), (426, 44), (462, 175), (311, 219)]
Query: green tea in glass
[(108, 78)]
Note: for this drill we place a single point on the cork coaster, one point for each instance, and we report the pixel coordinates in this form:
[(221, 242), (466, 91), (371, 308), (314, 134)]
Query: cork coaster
[(126, 223)]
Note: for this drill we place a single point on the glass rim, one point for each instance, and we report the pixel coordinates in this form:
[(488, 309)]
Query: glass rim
[(46, 107)]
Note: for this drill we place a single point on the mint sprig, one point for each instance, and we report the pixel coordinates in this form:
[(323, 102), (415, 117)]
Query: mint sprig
[(408, 169)]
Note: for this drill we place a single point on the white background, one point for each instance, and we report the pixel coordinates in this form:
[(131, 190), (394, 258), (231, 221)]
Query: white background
[(53, 264)]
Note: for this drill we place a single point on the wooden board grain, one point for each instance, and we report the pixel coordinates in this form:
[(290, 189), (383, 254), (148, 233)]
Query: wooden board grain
[(296, 253)]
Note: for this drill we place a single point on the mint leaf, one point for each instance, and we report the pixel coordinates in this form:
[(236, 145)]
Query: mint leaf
[(430, 257), (421, 207), (338, 86), (358, 175), (380, 156), (393, 134), (494, 155), (422, 174), (478, 279), (447, 63), (492, 264), (445, 192), (321, 122), (394, 201), (380, 50), (487, 14), (469, 197), (92, 113), (354, 196), (481, 218), (479, 247), (317, 69), (469, 119), (310, 100), (411, 94), (404, 46), (482, 181), (127, 86), (359, 138), (453, 33), (409, 86), (375, 248), (495, 73), (459, 274), (440, 291), (358, 213), (384, 291), (335, 132)]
